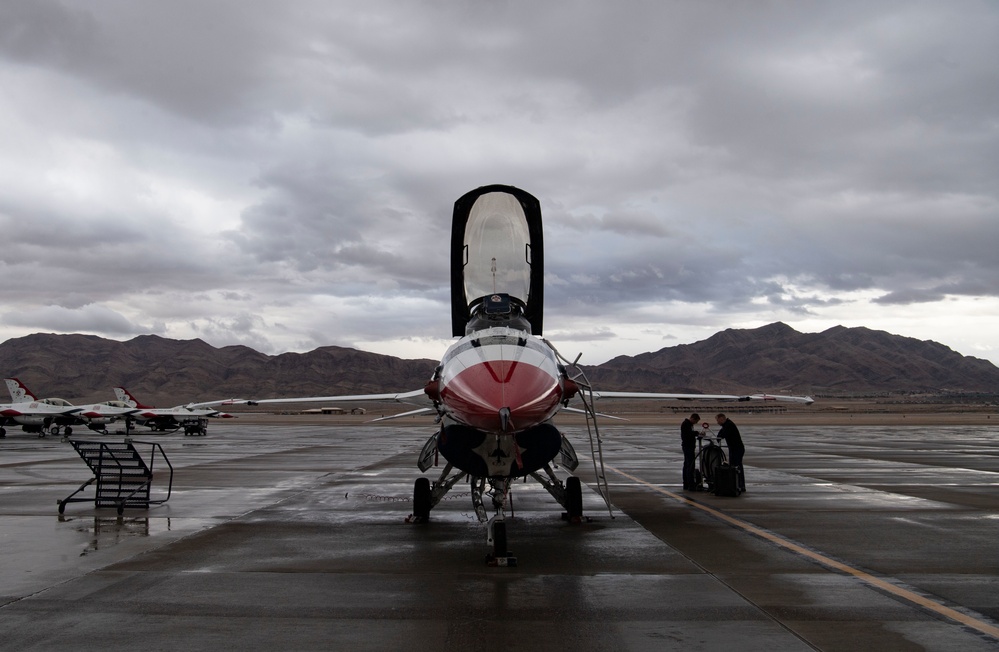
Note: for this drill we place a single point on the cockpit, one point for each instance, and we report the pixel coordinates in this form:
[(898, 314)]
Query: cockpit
[(497, 310)]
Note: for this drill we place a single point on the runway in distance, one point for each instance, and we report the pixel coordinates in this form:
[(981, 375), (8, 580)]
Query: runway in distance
[(499, 385), (54, 415)]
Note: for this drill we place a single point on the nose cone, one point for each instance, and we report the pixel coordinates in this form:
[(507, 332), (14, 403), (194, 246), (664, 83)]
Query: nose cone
[(480, 395)]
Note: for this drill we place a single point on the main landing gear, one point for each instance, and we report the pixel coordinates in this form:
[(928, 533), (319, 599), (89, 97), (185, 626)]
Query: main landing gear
[(492, 494), (422, 500), (56, 430)]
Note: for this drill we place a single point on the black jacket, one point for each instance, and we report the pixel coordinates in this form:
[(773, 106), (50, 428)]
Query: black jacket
[(730, 433), (687, 435)]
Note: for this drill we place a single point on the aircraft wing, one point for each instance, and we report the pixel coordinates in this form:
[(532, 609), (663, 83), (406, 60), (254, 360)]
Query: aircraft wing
[(807, 400), (403, 414), (102, 411), (206, 404), (179, 413), (599, 414), (38, 409), (416, 397)]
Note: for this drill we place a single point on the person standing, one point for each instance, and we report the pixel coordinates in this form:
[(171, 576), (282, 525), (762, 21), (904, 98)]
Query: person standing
[(736, 449), (688, 442)]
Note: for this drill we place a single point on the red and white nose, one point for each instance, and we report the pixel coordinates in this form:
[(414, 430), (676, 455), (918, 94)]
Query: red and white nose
[(499, 382)]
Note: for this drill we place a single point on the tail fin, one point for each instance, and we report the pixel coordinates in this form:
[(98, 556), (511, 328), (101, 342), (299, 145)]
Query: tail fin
[(126, 397), (18, 392)]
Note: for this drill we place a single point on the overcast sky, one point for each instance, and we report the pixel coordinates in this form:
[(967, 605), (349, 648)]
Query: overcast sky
[(282, 174)]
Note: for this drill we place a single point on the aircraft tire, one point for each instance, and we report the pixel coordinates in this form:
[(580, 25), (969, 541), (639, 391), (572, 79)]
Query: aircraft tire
[(68, 431), (421, 498), (3, 432), (499, 539), (573, 497)]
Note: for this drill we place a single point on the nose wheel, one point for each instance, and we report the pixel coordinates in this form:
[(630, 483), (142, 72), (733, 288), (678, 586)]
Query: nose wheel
[(496, 528), (500, 555)]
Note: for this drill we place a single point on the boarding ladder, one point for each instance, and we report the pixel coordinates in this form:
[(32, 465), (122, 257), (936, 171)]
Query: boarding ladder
[(576, 374), (122, 475)]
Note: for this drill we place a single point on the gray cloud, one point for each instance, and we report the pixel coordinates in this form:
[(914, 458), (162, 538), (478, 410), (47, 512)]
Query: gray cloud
[(88, 318), (282, 175)]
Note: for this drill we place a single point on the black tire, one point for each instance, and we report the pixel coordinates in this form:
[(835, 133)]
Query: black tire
[(573, 497), (711, 461), (421, 498), (3, 432), (499, 539), (68, 431)]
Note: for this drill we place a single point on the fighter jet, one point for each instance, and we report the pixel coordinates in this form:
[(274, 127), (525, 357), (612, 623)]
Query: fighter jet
[(54, 415), (193, 418), (498, 387)]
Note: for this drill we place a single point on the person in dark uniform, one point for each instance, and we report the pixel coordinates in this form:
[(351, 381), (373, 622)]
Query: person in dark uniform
[(688, 442), (736, 450)]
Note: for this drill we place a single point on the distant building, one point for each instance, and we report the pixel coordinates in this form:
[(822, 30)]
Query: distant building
[(325, 410)]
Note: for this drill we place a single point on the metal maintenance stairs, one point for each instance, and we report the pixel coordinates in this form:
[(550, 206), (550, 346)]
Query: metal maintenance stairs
[(123, 477)]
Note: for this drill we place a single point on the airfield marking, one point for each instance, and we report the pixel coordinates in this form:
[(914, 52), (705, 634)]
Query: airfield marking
[(828, 562)]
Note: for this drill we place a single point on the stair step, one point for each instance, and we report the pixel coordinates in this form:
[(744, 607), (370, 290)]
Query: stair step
[(122, 475)]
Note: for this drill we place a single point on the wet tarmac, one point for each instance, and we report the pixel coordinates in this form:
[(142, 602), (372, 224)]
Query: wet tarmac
[(295, 538)]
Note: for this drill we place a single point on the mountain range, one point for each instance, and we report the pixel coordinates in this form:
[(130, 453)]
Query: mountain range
[(774, 358)]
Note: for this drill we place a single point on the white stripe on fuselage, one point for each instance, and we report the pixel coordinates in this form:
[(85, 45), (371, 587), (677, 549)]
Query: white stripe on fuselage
[(464, 354)]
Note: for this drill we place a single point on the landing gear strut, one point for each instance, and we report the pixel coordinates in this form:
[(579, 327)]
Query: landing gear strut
[(499, 490)]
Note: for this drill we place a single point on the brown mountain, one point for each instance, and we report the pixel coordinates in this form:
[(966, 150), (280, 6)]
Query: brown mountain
[(774, 358), (164, 372), (777, 358)]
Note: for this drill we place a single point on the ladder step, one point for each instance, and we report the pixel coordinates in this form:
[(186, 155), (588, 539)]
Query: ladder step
[(122, 475)]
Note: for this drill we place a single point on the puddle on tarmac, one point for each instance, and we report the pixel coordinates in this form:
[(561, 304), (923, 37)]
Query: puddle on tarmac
[(108, 531)]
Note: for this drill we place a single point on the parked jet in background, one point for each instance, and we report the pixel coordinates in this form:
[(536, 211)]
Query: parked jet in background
[(498, 387), (54, 415), (193, 417)]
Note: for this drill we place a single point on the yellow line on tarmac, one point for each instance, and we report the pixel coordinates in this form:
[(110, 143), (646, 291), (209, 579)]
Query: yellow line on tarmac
[(888, 587)]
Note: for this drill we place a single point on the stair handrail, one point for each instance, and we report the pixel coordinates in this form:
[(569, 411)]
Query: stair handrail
[(153, 447), (104, 453)]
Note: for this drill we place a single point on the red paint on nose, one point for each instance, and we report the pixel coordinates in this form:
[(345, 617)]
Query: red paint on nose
[(476, 395)]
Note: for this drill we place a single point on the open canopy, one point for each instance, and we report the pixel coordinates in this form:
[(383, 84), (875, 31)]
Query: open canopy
[(497, 249)]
